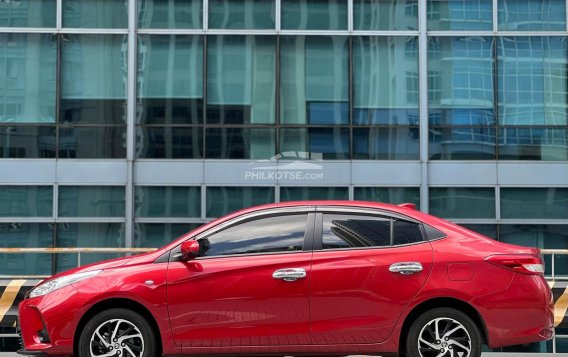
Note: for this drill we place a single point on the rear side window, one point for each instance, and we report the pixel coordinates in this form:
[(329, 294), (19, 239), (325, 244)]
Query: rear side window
[(342, 231)]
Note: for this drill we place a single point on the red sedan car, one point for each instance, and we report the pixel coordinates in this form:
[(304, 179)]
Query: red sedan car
[(299, 278)]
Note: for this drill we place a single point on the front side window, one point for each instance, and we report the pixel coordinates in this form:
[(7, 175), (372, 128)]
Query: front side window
[(342, 231), (263, 235)]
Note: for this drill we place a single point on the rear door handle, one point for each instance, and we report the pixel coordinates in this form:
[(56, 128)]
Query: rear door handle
[(406, 268), (290, 274)]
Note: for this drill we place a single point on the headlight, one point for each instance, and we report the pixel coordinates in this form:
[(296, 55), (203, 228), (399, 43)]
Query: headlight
[(57, 283)]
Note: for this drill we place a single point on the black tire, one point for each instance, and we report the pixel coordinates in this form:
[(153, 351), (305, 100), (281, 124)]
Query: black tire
[(467, 335), (130, 324)]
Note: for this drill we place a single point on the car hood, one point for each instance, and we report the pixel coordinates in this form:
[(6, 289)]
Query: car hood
[(107, 264)]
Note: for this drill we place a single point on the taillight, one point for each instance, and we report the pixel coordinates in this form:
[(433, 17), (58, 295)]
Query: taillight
[(526, 264)]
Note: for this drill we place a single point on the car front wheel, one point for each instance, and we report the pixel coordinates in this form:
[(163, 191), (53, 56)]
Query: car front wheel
[(443, 332), (117, 332)]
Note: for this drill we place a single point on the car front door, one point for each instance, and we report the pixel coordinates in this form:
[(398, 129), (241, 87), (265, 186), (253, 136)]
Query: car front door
[(248, 286), (362, 275)]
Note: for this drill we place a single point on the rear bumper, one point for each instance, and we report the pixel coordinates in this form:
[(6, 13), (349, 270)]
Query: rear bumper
[(524, 313)]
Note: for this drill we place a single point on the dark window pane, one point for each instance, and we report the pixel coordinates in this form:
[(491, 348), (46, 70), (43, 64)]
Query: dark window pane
[(549, 236), (30, 142), (533, 143), (331, 143), (91, 201), (240, 143), (460, 15), (27, 13), (532, 15), (95, 13), (314, 14), (384, 15), (355, 231), (462, 202), (314, 80), (170, 142), (170, 79), (104, 142), (26, 201), (241, 14), (544, 203), (457, 143), (488, 230), (394, 195), (26, 235), (93, 79), (154, 235), (433, 233), (406, 233), (28, 72), (532, 76), (171, 14), (89, 235), (263, 235), (223, 200), (168, 201), (313, 193), (241, 79), (380, 92), (386, 143)]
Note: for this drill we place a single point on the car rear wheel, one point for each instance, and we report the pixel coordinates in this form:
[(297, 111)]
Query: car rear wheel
[(443, 332), (117, 332)]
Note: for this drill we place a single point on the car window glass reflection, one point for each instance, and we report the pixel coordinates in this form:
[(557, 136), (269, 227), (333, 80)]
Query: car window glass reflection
[(343, 231), (264, 235)]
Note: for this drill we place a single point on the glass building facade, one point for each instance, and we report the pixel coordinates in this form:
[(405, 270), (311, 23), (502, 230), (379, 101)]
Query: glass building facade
[(125, 123)]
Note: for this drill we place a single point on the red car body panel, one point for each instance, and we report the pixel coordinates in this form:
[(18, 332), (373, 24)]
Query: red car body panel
[(348, 303)]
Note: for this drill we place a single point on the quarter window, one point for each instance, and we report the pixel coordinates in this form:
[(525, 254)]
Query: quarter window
[(264, 235)]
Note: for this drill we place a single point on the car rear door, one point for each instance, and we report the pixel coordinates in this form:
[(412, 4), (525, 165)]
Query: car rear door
[(248, 287), (366, 268)]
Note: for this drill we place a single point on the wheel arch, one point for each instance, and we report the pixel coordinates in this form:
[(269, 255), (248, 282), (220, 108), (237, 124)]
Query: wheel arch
[(114, 303), (449, 302)]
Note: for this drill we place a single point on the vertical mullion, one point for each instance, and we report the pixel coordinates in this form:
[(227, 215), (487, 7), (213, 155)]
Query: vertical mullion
[(350, 16), (423, 102), (278, 17), (205, 15), (495, 13), (130, 124), (350, 87), (496, 94), (59, 15)]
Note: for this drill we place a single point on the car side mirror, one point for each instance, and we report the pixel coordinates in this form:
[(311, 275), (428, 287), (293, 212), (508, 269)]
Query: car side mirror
[(189, 250)]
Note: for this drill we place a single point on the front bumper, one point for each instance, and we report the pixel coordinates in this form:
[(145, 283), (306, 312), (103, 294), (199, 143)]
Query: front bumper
[(24, 352)]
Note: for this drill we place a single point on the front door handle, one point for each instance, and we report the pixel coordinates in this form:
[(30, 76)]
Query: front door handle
[(290, 274), (406, 268)]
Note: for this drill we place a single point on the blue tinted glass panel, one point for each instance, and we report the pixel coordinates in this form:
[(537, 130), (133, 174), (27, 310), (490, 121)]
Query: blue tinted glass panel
[(543, 203), (26, 201), (154, 235), (223, 200), (460, 15), (91, 201), (462, 202), (92, 142), (314, 14), (163, 201), (313, 193), (170, 142), (533, 143), (241, 14), (314, 80), (488, 230), (95, 13), (326, 143), (532, 80), (28, 77), (532, 15), (27, 13), (462, 143), (171, 14), (26, 235), (30, 142), (394, 195), (240, 143), (384, 15), (386, 143)]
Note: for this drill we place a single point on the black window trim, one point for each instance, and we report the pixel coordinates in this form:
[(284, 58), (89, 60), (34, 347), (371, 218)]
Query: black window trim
[(266, 213), (378, 213)]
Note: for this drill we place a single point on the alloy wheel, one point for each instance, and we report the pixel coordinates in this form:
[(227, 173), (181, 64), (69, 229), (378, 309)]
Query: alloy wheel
[(117, 337), (444, 337)]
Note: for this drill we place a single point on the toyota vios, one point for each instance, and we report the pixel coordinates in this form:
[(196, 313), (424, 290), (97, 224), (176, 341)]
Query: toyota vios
[(319, 278)]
